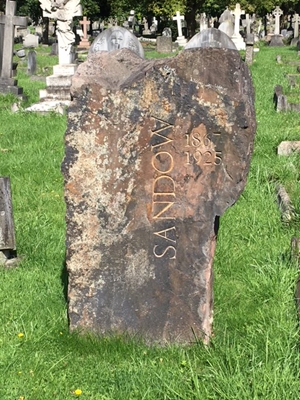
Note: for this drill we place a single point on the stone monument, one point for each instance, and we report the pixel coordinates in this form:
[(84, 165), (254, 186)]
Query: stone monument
[(155, 152), (236, 37), (84, 40), (8, 22), (57, 93), (7, 230), (115, 38), (181, 40), (276, 39)]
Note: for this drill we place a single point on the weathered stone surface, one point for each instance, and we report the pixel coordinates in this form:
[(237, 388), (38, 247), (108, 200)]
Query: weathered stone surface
[(7, 232), (156, 151), (287, 148)]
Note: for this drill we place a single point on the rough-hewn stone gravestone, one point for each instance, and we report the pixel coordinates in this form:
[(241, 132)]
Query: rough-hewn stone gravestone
[(156, 151)]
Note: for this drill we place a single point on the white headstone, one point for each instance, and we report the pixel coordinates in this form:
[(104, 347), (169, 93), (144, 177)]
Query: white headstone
[(237, 38)]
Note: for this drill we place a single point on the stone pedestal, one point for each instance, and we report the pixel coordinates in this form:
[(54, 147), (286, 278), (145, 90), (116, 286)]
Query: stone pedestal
[(238, 41), (276, 40), (58, 84), (181, 40)]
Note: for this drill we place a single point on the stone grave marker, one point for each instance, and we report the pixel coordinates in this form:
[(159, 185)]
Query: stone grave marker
[(30, 40), (84, 40), (7, 230), (164, 44), (249, 48), (226, 21), (296, 21), (8, 23), (276, 39), (236, 37), (181, 40), (31, 64), (211, 37), (115, 38), (54, 49), (155, 152)]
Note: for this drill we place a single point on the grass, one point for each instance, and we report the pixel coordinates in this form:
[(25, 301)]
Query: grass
[(254, 353)]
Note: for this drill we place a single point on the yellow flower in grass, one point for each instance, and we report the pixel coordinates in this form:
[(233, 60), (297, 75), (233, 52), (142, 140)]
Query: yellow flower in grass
[(78, 392), (22, 398), (20, 335)]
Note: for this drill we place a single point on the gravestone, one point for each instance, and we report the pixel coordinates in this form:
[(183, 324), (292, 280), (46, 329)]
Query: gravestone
[(146, 31), (84, 40), (276, 39), (30, 41), (296, 21), (226, 21), (236, 37), (115, 38), (54, 49), (8, 23), (164, 44), (211, 37), (249, 48), (63, 12), (181, 40), (31, 66), (155, 151), (7, 230)]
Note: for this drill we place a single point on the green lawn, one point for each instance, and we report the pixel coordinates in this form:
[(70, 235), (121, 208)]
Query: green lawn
[(254, 353)]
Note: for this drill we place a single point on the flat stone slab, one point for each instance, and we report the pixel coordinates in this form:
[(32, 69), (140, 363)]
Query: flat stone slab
[(155, 152), (58, 106), (287, 148)]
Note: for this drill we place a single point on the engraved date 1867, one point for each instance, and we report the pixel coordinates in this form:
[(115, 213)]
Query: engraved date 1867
[(200, 149)]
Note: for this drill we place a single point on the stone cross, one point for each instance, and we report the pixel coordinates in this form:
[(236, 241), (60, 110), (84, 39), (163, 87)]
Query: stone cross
[(178, 19), (9, 20), (63, 12), (277, 13), (237, 15), (84, 41), (296, 21)]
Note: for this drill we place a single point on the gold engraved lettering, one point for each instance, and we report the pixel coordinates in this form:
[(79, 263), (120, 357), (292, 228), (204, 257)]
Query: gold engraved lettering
[(167, 234), (164, 185), (164, 252), (187, 157), (162, 209), (157, 135), (163, 191), (162, 158)]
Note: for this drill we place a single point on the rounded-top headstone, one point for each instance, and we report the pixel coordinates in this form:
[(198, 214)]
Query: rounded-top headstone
[(115, 38), (211, 37)]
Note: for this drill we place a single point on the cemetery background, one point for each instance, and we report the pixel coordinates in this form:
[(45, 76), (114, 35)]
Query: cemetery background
[(255, 349)]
